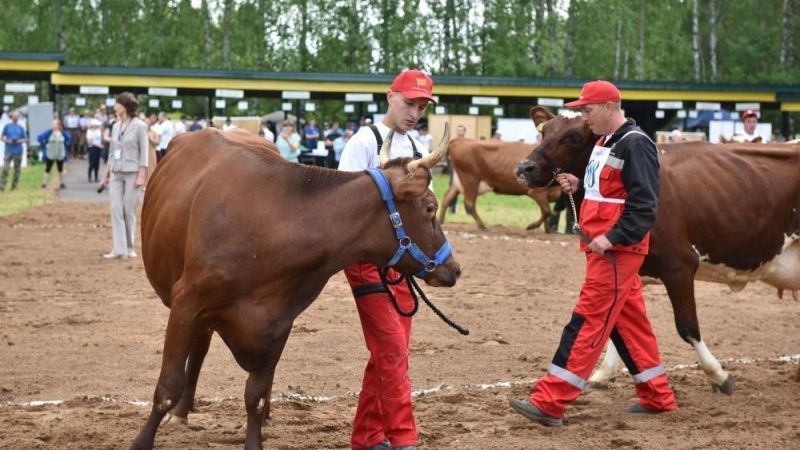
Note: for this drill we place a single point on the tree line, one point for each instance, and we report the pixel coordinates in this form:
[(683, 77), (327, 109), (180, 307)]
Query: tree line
[(718, 41)]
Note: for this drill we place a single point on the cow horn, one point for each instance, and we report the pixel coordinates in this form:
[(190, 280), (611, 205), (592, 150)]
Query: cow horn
[(436, 155), (387, 144)]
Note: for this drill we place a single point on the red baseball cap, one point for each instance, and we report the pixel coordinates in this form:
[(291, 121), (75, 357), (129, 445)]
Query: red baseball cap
[(414, 84), (749, 113), (596, 92)]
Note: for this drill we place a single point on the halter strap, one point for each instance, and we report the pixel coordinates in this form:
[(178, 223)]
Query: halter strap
[(405, 244)]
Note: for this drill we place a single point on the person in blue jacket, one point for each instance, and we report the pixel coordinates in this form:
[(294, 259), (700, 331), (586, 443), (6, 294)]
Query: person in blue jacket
[(55, 147)]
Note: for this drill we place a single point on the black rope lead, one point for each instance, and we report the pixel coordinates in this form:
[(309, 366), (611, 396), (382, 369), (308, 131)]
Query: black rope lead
[(414, 288)]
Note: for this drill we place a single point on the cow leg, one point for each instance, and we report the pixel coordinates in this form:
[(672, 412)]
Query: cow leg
[(470, 185), (257, 395), (679, 281), (180, 339), (605, 371), (181, 411), (448, 198)]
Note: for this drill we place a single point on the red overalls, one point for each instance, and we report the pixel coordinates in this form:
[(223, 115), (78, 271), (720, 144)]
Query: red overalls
[(597, 316), (384, 404)]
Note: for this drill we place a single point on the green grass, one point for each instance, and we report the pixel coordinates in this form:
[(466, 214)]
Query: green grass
[(508, 210), (28, 193)]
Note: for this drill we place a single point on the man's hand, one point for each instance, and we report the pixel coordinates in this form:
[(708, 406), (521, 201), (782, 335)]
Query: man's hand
[(600, 244), (568, 182)]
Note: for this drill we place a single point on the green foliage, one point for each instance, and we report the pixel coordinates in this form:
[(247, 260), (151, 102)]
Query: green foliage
[(615, 39)]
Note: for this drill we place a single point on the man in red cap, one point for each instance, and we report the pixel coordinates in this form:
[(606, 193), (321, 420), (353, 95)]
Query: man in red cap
[(750, 133), (385, 418), (621, 188)]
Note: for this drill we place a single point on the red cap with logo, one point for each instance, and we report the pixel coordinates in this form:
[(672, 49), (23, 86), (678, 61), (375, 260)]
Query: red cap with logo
[(413, 84), (596, 92), (749, 113)]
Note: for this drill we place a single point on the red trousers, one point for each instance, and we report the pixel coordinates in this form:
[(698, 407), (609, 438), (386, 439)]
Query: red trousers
[(384, 404), (594, 319)]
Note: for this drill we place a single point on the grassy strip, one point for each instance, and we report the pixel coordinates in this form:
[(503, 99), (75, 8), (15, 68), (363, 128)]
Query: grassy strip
[(28, 194), (509, 210)]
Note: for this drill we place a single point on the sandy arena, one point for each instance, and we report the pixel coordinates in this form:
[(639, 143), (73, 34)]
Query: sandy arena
[(81, 340)]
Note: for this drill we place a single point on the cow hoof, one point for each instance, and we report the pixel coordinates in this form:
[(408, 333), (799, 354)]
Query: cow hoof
[(174, 420), (726, 387), (601, 385)]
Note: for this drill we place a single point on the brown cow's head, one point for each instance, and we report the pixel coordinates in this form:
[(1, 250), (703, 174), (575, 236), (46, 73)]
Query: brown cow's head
[(566, 144), (417, 206)]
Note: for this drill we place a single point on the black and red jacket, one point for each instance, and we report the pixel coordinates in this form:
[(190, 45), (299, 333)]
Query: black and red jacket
[(622, 189)]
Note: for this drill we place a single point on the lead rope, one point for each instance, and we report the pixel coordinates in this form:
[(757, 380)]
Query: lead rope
[(414, 288)]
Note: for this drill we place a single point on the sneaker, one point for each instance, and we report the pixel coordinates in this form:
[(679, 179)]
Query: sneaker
[(529, 410), (113, 255), (639, 409), (62, 186), (131, 254), (383, 445)]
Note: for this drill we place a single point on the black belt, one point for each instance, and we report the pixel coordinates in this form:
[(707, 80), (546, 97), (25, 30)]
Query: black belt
[(366, 289)]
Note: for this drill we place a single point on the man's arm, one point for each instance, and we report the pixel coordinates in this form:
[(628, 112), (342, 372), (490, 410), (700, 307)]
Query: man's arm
[(641, 180)]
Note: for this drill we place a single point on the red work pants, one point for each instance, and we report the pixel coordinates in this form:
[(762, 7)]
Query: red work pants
[(384, 404), (594, 319)]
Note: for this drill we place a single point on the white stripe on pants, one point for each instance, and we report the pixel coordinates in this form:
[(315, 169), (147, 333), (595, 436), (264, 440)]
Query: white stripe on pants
[(124, 200)]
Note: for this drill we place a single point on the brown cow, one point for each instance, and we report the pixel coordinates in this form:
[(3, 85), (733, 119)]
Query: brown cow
[(480, 166), (727, 213), (238, 241)]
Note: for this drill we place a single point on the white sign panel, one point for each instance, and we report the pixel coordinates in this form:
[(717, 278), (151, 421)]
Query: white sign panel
[(517, 130), (498, 111), (473, 110), (311, 107), (96, 90), (555, 102), (746, 106), (242, 105), (440, 110), (358, 97), (8, 99), (33, 99), (707, 106), (177, 104), (286, 106), (296, 95), (670, 105), (487, 101), (20, 87), (219, 103), (349, 108), (164, 92), (153, 103), (659, 114), (372, 107), (681, 114), (110, 101), (717, 115), (229, 93), (80, 101), (693, 114)]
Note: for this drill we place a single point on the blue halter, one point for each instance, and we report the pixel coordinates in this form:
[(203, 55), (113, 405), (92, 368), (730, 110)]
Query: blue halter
[(404, 242)]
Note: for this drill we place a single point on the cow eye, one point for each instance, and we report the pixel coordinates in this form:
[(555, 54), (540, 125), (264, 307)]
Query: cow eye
[(431, 208), (574, 140)]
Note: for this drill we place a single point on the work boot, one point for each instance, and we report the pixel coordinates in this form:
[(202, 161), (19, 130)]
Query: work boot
[(383, 445), (639, 409), (529, 410)]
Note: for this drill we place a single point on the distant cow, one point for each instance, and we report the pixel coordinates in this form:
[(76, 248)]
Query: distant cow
[(481, 166), (238, 241), (727, 213)]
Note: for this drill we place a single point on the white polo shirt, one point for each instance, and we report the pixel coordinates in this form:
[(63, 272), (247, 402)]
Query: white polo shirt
[(361, 152)]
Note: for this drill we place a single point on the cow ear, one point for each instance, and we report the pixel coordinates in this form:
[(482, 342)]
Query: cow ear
[(409, 185), (540, 114)]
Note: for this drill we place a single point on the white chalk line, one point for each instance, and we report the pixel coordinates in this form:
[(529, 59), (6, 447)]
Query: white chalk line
[(48, 226), (298, 397)]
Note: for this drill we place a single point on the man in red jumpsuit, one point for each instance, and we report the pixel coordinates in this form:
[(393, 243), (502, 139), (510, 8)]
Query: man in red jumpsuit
[(621, 195), (385, 417)]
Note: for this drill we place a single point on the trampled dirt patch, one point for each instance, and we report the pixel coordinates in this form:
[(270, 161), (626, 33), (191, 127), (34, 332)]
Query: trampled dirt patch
[(88, 332)]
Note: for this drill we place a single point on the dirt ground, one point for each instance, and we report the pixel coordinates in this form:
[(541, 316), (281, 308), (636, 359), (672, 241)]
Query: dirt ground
[(88, 332)]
